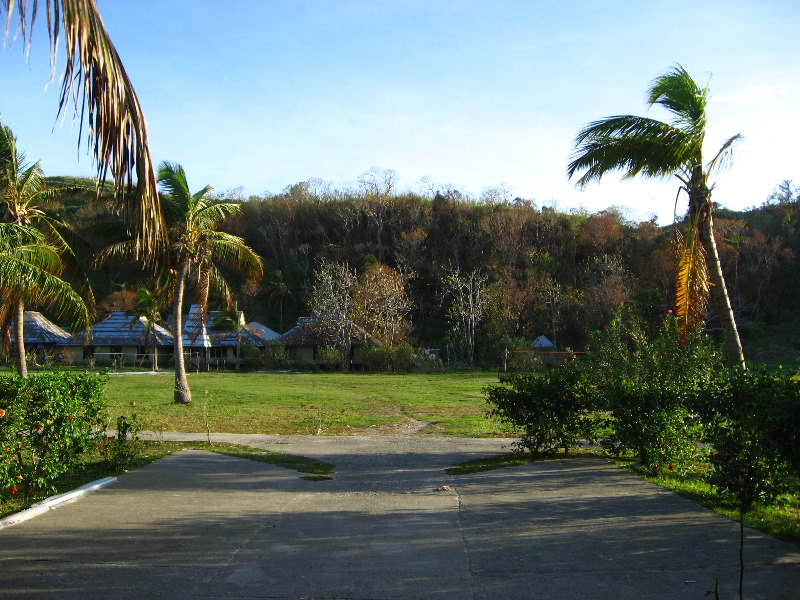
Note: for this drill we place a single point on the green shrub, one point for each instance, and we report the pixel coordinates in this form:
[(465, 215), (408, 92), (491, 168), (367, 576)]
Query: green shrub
[(750, 418), (271, 357), (646, 377), (385, 359), (551, 406), (123, 450), (330, 357), (46, 422)]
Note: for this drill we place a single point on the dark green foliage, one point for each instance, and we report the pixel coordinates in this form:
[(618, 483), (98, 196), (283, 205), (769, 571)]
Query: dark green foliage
[(751, 424), (46, 423), (552, 407), (124, 449), (645, 376), (388, 360), (269, 358)]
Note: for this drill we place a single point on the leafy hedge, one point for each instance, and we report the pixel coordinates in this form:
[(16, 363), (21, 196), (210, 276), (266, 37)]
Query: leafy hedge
[(665, 397), (46, 422)]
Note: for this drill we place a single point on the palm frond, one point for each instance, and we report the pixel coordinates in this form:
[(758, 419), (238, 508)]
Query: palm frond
[(95, 83), (115, 254), (637, 146), (676, 91), (40, 256), (228, 251), (691, 281), (219, 285), (20, 278), (172, 178), (724, 156), (210, 214)]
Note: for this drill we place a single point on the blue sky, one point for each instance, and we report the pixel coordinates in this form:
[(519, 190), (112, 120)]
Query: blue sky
[(472, 94)]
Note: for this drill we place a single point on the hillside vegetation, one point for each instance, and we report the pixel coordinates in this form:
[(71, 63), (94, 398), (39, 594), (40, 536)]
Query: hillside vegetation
[(547, 272)]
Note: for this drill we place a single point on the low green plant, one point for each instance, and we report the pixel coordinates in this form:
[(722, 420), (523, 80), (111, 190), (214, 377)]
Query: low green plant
[(330, 357), (388, 359), (271, 357), (124, 449), (645, 377), (46, 422), (552, 407)]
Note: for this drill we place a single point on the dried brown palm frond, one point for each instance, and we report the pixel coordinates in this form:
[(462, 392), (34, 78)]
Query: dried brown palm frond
[(96, 84), (692, 280)]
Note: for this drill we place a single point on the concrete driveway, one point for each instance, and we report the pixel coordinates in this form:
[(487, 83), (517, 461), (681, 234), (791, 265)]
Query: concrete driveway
[(389, 525)]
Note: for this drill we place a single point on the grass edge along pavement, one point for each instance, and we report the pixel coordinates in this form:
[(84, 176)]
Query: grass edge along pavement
[(781, 521), (96, 468)]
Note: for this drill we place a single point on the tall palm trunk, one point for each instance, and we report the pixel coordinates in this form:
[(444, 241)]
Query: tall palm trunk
[(19, 323), (719, 293), (183, 394), (238, 346), (700, 206)]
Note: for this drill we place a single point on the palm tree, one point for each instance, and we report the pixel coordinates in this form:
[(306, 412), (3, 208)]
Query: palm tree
[(94, 75), (197, 248), (655, 149), (229, 320), (29, 270), (279, 293), (23, 196), (148, 307)]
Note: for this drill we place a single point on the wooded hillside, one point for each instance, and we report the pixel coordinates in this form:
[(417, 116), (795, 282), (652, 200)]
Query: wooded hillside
[(546, 272)]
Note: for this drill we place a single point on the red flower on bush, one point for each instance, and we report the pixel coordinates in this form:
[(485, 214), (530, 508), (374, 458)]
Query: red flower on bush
[(14, 490), (111, 438), (2, 412), (672, 467)]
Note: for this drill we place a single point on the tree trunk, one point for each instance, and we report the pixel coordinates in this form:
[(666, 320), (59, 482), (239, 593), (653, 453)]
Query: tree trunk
[(19, 324), (238, 347), (183, 394), (719, 292)]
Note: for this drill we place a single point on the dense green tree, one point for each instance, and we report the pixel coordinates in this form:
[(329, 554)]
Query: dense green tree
[(30, 269), (23, 196)]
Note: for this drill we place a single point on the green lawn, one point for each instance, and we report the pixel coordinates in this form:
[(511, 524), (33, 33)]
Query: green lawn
[(319, 403)]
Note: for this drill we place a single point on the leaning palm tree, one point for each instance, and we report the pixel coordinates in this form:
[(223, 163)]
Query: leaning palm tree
[(95, 83), (29, 272), (655, 149), (196, 250), (23, 196)]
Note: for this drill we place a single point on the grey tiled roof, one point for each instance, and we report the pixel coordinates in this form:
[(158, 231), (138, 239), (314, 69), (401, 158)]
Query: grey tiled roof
[(120, 329), (37, 329), (262, 331)]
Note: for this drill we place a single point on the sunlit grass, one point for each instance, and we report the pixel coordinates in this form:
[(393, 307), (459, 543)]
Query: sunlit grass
[(309, 404)]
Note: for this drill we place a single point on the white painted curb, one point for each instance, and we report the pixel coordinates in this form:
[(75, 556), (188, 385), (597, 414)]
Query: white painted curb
[(55, 502)]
